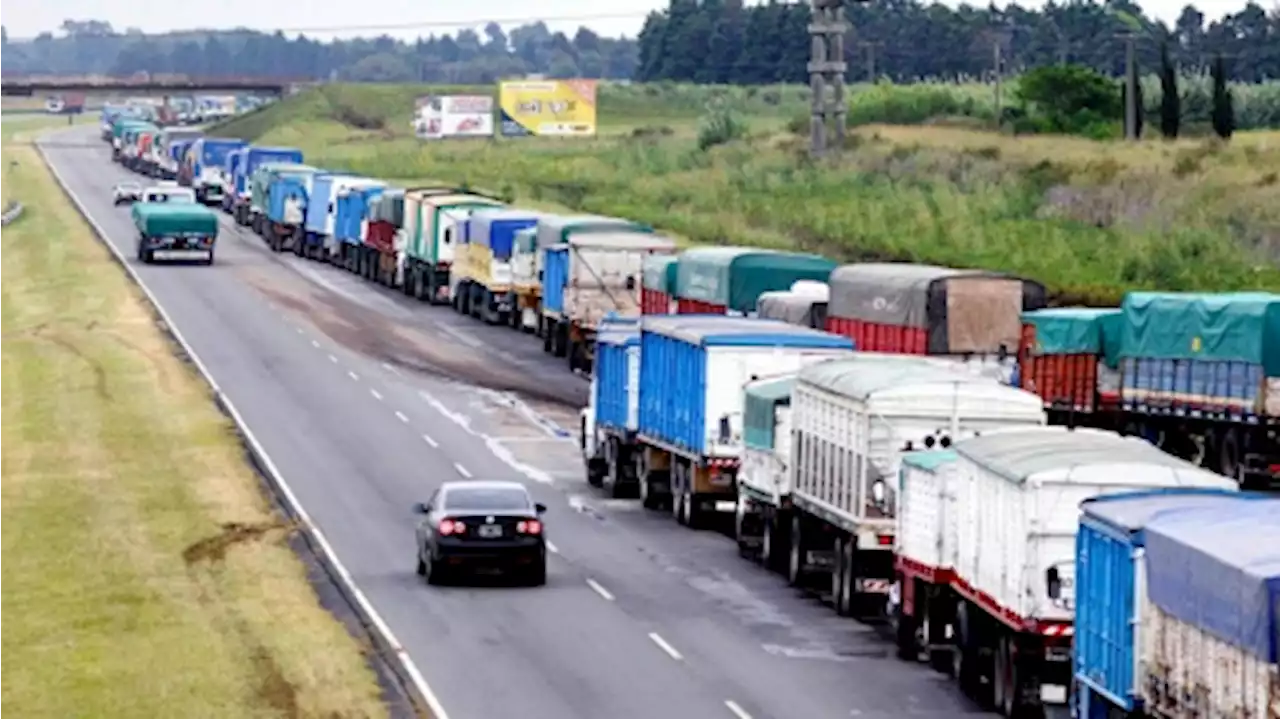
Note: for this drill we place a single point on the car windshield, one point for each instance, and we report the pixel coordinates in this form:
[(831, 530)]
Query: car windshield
[(486, 499)]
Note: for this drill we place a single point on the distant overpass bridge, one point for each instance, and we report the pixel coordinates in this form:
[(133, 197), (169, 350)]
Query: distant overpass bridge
[(26, 87)]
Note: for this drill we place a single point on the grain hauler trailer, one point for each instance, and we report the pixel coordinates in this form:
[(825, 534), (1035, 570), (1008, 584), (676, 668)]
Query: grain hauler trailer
[(692, 369), (969, 316), (729, 280), (852, 421), (1110, 631), (1211, 616), (588, 276), (229, 167), (322, 214), (288, 190), (480, 280), (986, 554), (1069, 356), (386, 218), (352, 223), (435, 218), (174, 231), (1200, 377), (253, 157), (805, 304), (611, 418), (556, 230), (168, 161), (764, 482), (657, 295), (207, 156)]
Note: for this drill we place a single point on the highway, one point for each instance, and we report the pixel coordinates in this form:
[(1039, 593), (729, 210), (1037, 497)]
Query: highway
[(366, 400)]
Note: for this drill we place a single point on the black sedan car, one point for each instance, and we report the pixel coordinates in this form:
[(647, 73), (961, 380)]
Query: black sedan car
[(474, 524)]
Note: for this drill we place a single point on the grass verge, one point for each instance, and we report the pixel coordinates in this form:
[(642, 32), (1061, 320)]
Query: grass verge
[(145, 573), (1089, 219)]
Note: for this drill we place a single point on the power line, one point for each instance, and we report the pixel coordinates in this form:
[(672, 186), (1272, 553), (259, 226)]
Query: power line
[(385, 27)]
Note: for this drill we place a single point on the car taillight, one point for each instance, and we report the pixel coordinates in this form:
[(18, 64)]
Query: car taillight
[(529, 526), (449, 526)]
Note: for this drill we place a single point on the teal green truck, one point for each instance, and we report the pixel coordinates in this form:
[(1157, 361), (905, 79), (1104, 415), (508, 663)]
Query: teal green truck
[(175, 232)]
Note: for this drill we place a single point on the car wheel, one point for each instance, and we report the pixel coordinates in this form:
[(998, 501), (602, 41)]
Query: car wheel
[(422, 566), (435, 575)]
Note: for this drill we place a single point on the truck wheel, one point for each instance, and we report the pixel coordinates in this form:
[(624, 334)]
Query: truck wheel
[(839, 595), (845, 600), (561, 345), (795, 560), (572, 354), (905, 626), (740, 529), (546, 339), (209, 261), (768, 547), (1227, 444)]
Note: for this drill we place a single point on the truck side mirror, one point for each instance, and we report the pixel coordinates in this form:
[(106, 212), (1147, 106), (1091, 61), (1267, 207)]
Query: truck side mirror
[(1053, 583)]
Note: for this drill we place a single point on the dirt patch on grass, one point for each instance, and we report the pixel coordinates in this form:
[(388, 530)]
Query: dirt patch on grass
[(214, 548)]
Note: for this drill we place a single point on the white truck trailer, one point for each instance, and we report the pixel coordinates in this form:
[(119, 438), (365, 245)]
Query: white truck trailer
[(686, 449), (986, 554), (851, 423)]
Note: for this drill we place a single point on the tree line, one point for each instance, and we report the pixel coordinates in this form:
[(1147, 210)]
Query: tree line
[(704, 41)]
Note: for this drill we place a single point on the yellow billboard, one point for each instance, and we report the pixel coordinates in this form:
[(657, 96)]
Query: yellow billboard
[(548, 108)]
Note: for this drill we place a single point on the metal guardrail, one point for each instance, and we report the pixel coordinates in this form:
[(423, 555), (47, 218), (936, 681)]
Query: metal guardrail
[(11, 213)]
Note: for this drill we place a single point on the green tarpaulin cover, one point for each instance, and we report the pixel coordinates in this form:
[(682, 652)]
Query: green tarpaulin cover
[(157, 219), (660, 272), (759, 403), (736, 276), (1240, 327), (1076, 330)]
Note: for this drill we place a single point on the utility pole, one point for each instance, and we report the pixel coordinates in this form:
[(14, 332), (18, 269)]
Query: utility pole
[(827, 29), (997, 61), (1131, 88), (870, 49)]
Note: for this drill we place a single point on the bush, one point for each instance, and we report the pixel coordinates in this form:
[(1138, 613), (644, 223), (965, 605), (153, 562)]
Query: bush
[(719, 126)]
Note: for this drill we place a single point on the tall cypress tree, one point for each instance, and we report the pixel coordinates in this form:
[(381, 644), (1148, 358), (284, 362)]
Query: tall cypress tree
[(1224, 112), (1136, 78), (1170, 102)]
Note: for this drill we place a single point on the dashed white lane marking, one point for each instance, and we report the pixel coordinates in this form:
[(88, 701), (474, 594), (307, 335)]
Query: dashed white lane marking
[(598, 589), (552, 548), (430, 440), (333, 359), (462, 470), (664, 646), (737, 710), (401, 416), (353, 376), (390, 369), (315, 343), (375, 393)]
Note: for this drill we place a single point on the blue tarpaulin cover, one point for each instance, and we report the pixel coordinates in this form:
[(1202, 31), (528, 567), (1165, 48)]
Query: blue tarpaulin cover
[(1219, 569)]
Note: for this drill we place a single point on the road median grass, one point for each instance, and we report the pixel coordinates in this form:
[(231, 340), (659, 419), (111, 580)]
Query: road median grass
[(145, 572), (1089, 219)]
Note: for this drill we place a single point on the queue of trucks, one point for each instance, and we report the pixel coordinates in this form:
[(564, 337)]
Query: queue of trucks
[(931, 446)]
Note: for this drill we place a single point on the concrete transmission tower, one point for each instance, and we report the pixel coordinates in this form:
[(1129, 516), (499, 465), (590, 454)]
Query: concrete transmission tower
[(827, 28)]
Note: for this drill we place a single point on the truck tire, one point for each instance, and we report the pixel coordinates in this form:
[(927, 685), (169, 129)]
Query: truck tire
[(905, 626), (795, 558), (847, 604)]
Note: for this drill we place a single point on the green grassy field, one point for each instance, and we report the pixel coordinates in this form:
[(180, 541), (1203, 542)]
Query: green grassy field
[(145, 574), (1090, 219)]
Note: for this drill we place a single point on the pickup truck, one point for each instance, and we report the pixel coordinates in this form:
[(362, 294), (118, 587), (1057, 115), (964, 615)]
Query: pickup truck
[(175, 231)]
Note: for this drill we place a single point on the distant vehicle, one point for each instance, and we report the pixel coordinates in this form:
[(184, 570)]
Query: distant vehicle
[(170, 193), (473, 524), (126, 192), (181, 231)]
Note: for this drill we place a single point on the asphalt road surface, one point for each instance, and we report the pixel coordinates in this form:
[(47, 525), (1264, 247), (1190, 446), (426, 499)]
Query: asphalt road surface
[(367, 400)]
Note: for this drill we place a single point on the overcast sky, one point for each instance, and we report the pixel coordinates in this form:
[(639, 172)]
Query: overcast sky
[(412, 17)]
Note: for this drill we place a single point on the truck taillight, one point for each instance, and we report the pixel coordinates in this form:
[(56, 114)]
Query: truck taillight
[(885, 540), (529, 526)]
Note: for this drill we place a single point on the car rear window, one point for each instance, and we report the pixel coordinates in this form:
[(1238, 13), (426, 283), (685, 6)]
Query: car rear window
[(486, 498)]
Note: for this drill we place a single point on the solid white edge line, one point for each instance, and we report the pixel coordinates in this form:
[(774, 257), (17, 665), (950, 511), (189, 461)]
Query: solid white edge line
[(375, 394), (462, 470), (599, 589), (268, 466), (664, 646), (738, 711), (430, 440), (402, 416)]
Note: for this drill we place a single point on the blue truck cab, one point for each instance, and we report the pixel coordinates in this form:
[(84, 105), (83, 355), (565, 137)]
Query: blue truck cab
[(352, 218), (208, 156), (253, 157), (1111, 589), (229, 166)]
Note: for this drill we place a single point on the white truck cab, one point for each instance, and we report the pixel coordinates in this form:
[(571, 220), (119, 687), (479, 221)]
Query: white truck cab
[(169, 193)]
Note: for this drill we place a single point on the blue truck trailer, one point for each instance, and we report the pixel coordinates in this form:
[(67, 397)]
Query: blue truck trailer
[(229, 167), (686, 449), (612, 416), (253, 157), (288, 193), (320, 223), (1109, 550), (350, 221), (207, 157)]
